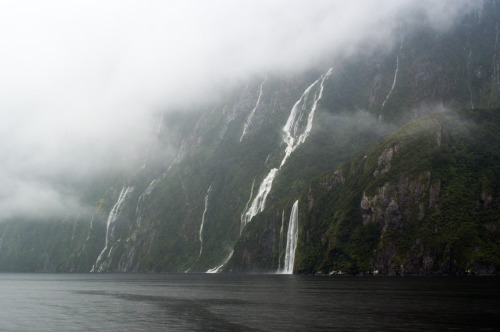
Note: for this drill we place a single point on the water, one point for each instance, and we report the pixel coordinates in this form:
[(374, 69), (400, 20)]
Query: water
[(252, 113), (110, 225), (221, 302), (203, 220), (293, 135), (291, 239)]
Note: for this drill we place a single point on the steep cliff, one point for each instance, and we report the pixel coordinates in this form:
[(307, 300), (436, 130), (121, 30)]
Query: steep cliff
[(422, 201), (217, 189)]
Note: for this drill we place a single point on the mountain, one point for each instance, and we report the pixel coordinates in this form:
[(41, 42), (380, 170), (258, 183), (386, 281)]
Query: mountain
[(421, 201), (384, 160)]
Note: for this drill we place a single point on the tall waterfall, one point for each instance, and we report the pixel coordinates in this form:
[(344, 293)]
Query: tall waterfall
[(252, 113), (291, 239), (281, 239), (110, 225), (394, 80), (88, 237), (246, 206), (203, 220), (296, 130)]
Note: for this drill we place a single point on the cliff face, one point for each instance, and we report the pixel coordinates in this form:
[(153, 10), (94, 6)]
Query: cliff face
[(422, 200), (429, 204)]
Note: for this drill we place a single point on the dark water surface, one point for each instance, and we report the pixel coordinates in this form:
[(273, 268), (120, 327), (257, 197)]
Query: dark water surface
[(219, 302)]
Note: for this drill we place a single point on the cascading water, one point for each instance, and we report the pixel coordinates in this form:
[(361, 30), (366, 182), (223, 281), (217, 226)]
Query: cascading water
[(281, 239), (394, 80), (74, 227), (246, 206), (217, 268), (252, 113), (295, 133), (88, 237), (259, 201), (291, 239), (203, 220), (110, 225)]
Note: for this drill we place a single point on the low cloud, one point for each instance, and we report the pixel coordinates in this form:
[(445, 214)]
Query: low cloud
[(83, 82)]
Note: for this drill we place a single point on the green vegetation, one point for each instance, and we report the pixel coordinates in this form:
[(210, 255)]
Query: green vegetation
[(444, 194), (418, 199)]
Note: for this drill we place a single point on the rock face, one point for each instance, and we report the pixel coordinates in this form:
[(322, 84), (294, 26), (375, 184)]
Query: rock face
[(395, 201), (408, 211), (420, 200)]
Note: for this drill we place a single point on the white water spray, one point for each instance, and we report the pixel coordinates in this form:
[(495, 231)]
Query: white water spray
[(295, 133), (291, 239), (258, 204), (246, 206), (281, 239), (110, 225), (217, 268), (203, 220), (252, 113), (394, 80)]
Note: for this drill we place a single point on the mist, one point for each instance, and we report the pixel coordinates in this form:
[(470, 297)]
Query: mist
[(83, 82)]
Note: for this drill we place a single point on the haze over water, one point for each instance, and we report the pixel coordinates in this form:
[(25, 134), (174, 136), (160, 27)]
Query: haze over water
[(195, 302)]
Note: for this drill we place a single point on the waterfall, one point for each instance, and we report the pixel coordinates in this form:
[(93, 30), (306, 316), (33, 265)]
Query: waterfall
[(394, 80), (217, 268), (293, 137), (110, 225), (74, 228), (252, 113), (88, 237), (246, 206), (291, 239), (295, 133), (259, 201), (203, 220), (281, 239)]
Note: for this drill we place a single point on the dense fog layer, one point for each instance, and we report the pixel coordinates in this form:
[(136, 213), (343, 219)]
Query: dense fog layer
[(84, 82)]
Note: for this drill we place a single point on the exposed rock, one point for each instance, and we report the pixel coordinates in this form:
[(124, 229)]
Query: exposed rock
[(336, 178), (366, 210), (384, 162), (392, 204), (383, 260), (392, 216)]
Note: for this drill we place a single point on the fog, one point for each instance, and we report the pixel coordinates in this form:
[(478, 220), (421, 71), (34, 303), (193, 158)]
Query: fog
[(83, 82)]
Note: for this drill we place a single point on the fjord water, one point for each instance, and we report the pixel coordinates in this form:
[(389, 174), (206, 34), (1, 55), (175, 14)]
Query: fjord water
[(222, 302)]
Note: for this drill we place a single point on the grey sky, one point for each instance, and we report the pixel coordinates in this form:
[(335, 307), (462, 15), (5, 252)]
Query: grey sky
[(79, 79)]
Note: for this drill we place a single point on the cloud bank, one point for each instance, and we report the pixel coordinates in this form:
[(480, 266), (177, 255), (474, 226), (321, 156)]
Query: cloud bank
[(80, 80)]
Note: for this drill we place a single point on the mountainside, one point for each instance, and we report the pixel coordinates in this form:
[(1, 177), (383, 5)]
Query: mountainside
[(355, 161), (422, 201)]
